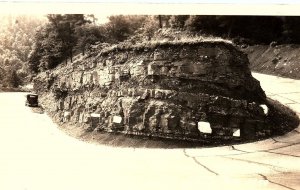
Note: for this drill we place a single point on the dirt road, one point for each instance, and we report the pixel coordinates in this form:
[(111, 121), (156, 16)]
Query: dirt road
[(35, 155)]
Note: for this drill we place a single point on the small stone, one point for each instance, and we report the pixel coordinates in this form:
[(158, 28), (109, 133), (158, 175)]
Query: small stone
[(157, 56), (158, 94)]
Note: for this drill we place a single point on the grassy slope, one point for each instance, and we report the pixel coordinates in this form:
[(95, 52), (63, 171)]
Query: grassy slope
[(280, 60)]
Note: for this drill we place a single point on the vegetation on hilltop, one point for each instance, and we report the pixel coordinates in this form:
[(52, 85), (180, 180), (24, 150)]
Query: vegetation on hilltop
[(66, 35), (31, 45)]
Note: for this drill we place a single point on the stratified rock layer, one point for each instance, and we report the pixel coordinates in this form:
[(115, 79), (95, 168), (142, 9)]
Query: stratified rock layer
[(192, 91)]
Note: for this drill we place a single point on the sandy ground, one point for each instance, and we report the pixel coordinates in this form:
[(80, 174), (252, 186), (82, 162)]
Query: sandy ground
[(35, 155)]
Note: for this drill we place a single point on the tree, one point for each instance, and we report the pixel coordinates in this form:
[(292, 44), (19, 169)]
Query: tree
[(87, 35), (178, 21), (12, 79), (205, 24), (291, 29), (122, 27), (2, 75), (163, 20), (16, 41), (48, 50), (56, 41), (65, 26), (150, 27), (118, 27), (91, 18), (160, 21)]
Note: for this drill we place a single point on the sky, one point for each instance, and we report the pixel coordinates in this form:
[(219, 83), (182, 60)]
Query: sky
[(150, 7), (170, 1)]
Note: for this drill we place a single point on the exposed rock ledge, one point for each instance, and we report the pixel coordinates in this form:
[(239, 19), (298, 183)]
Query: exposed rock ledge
[(199, 91)]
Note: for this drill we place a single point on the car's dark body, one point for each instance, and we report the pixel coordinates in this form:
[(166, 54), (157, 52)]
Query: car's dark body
[(32, 100)]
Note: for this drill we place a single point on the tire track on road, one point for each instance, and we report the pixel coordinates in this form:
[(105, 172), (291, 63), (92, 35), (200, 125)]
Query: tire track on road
[(199, 163)]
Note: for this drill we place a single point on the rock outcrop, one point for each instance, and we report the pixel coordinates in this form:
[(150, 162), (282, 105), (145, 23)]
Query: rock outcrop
[(199, 91)]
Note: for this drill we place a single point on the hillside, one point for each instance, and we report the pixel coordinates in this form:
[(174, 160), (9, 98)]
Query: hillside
[(198, 91), (16, 43), (280, 60)]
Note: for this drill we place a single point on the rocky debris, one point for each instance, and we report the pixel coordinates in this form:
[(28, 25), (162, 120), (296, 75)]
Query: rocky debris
[(38, 110), (199, 91)]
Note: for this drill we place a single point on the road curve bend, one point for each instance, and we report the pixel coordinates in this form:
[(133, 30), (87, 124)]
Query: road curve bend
[(35, 155)]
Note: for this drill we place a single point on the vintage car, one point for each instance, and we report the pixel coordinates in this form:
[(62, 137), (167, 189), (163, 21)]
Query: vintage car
[(32, 100)]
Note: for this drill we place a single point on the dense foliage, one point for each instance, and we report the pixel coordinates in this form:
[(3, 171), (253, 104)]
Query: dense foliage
[(67, 35), (56, 41), (16, 42)]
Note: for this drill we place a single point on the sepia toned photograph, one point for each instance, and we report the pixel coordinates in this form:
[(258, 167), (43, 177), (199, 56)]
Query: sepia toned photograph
[(132, 100)]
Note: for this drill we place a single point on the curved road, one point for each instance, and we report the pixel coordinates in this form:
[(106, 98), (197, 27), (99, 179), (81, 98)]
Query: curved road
[(36, 155)]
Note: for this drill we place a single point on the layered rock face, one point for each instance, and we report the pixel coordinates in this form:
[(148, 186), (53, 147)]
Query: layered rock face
[(191, 91)]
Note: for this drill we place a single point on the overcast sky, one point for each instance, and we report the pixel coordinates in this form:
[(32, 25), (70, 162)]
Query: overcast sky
[(169, 1), (112, 7)]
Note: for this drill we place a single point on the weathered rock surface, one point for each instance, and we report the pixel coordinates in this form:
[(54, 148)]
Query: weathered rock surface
[(194, 91)]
